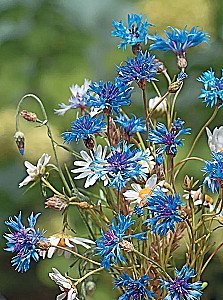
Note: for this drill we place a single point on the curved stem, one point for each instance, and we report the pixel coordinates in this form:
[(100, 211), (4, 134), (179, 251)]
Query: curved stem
[(50, 186), (156, 88), (186, 159), (173, 104), (197, 138), (87, 275), (210, 257), (167, 76)]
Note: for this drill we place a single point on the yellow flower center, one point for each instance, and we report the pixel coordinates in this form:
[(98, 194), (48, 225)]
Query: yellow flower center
[(62, 242), (208, 199), (143, 192)]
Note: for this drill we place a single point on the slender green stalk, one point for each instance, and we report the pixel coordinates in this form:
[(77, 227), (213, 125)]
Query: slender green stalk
[(50, 187), (173, 104), (87, 275), (172, 173), (156, 88), (155, 106), (196, 139), (210, 257)]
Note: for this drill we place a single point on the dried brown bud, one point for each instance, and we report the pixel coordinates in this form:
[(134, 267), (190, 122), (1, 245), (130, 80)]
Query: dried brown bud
[(42, 245), (115, 135), (160, 67), (181, 63), (127, 246), (187, 182), (29, 116), (135, 48), (142, 84), (56, 203), (20, 141), (175, 86), (84, 205), (89, 143)]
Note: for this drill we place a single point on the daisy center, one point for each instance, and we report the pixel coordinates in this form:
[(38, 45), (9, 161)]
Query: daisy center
[(62, 242), (143, 192), (208, 199)]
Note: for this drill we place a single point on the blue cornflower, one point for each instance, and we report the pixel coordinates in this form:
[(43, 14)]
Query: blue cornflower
[(138, 211), (120, 165), (135, 32), (213, 88), (164, 210), (134, 288), (108, 246), (84, 128), (109, 96), (23, 241), (170, 141), (179, 40), (214, 172), (140, 68), (132, 125), (178, 124), (179, 288), (182, 76)]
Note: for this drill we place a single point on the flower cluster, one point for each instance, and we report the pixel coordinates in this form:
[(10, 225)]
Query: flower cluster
[(132, 125), (169, 139), (180, 288), (23, 241), (164, 211), (134, 288), (110, 244), (212, 94), (135, 32), (84, 128)]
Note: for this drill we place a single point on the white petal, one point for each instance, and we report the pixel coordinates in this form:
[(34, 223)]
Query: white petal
[(61, 296), (151, 181), (25, 181)]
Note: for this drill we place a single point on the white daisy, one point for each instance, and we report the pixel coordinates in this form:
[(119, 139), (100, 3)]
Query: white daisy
[(137, 195), (84, 167), (65, 286), (66, 241), (162, 107), (35, 171), (215, 140), (149, 163)]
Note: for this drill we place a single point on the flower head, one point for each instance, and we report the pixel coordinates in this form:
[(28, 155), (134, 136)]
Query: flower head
[(212, 94), (214, 172), (178, 124), (134, 288), (132, 125), (35, 171), (140, 68), (110, 244), (84, 128), (23, 241), (215, 140), (84, 166), (109, 96), (165, 210), (178, 40), (65, 286), (135, 32), (78, 98), (180, 288), (169, 139), (120, 165)]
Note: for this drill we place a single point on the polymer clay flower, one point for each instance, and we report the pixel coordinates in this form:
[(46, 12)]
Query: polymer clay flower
[(180, 288), (135, 289), (68, 289), (135, 32), (212, 94), (34, 172), (24, 241), (78, 98)]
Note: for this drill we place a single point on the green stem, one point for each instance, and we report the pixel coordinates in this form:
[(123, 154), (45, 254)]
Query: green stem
[(88, 274), (210, 257), (156, 88), (51, 187), (173, 104), (197, 138)]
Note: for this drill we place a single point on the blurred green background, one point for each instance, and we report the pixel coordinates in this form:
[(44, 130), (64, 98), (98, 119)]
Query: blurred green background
[(45, 47)]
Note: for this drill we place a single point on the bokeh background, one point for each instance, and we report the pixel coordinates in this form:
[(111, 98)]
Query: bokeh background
[(45, 47)]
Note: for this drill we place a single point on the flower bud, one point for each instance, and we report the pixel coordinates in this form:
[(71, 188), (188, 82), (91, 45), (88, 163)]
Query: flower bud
[(187, 182), (175, 86), (136, 48), (20, 141), (84, 205), (181, 63), (160, 66), (29, 116), (56, 203), (89, 143), (90, 287), (42, 245)]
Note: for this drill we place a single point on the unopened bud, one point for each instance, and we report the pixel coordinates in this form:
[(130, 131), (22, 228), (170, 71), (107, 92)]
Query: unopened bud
[(127, 246), (187, 182), (90, 287), (29, 116), (136, 48), (142, 84), (20, 141), (159, 65), (42, 245), (89, 143), (84, 205), (56, 203), (175, 86)]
